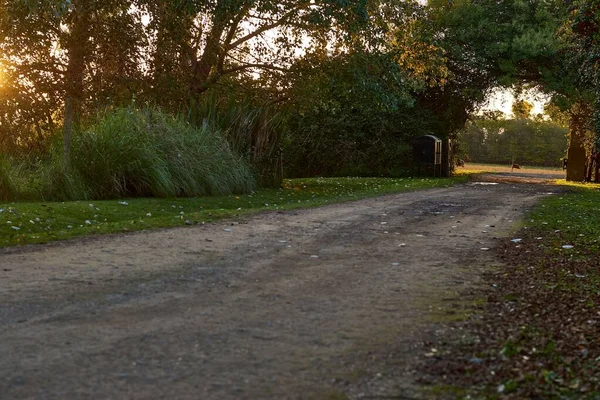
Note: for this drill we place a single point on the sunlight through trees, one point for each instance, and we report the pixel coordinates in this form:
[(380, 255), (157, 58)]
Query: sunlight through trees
[(350, 84)]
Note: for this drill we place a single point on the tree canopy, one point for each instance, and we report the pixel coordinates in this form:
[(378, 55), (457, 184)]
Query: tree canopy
[(352, 81)]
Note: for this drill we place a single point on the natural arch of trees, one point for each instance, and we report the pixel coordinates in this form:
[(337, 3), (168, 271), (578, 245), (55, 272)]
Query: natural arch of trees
[(341, 87)]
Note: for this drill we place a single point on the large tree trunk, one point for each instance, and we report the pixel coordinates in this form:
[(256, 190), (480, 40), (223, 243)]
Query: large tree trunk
[(76, 49), (205, 69), (174, 55), (576, 163)]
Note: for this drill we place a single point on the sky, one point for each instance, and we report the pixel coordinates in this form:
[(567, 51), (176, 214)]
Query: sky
[(502, 99)]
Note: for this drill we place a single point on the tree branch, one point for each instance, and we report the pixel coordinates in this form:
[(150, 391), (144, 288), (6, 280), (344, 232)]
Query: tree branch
[(229, 37), (45, 67), (268, 27), (258, 66)]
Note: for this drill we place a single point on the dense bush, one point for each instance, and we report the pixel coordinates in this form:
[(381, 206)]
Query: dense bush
[(130, 152), (349, 116)]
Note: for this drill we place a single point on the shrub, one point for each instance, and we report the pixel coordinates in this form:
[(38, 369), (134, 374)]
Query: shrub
[(130, 153), (58, 185), (350, 115)]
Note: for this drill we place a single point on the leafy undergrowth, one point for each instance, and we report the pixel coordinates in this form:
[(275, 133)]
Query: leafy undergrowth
[(538, 336), (26, 223)]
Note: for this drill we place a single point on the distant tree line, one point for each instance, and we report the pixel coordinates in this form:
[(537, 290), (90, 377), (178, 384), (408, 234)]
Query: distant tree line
[(525, 139), (522, 141)]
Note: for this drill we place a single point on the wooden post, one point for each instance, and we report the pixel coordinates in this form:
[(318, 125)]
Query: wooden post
[(446, 168)]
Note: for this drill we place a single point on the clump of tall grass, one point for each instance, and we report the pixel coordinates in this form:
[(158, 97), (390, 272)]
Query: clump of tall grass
[(133, 153), (59, 185), (254, 130), (8, 187)]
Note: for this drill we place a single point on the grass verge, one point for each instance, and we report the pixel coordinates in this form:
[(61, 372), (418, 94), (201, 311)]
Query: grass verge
[(538, 334), (28, 223)]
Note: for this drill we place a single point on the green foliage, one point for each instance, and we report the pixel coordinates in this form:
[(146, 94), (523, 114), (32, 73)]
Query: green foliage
[(89, 49), (491, 44), (8, 190), (246, 37), (585, 34), (557, 115), (344, 85), (522, 109), (522, 141), (348, 116), (253, 129), (58, 185), (131, 152)]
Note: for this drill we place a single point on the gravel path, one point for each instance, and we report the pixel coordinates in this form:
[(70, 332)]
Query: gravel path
[(317, 303)]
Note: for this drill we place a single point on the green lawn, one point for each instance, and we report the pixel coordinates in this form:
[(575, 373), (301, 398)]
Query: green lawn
[(27, 223), (575, 215)]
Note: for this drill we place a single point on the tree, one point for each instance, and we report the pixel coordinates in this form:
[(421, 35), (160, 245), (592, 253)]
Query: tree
[(348, 115), (522, 109), (60, 55), (210, 40), (557, 115), (487, 45), (584, 31), (528, 141)]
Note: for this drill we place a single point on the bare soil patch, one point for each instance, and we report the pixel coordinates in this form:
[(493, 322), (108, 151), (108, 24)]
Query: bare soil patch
[(333, 302)]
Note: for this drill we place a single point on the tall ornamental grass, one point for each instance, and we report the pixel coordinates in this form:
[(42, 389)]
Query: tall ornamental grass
[(253, 130), (8, 187), (139, 153)]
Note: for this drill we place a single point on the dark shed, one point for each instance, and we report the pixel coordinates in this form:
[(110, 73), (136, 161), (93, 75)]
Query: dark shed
[(427, 153)]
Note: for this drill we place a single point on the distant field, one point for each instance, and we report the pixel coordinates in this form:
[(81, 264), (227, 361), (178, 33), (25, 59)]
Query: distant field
[(474, 167)]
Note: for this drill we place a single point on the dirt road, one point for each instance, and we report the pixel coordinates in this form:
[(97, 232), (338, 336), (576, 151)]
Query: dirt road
[(310, 304)]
